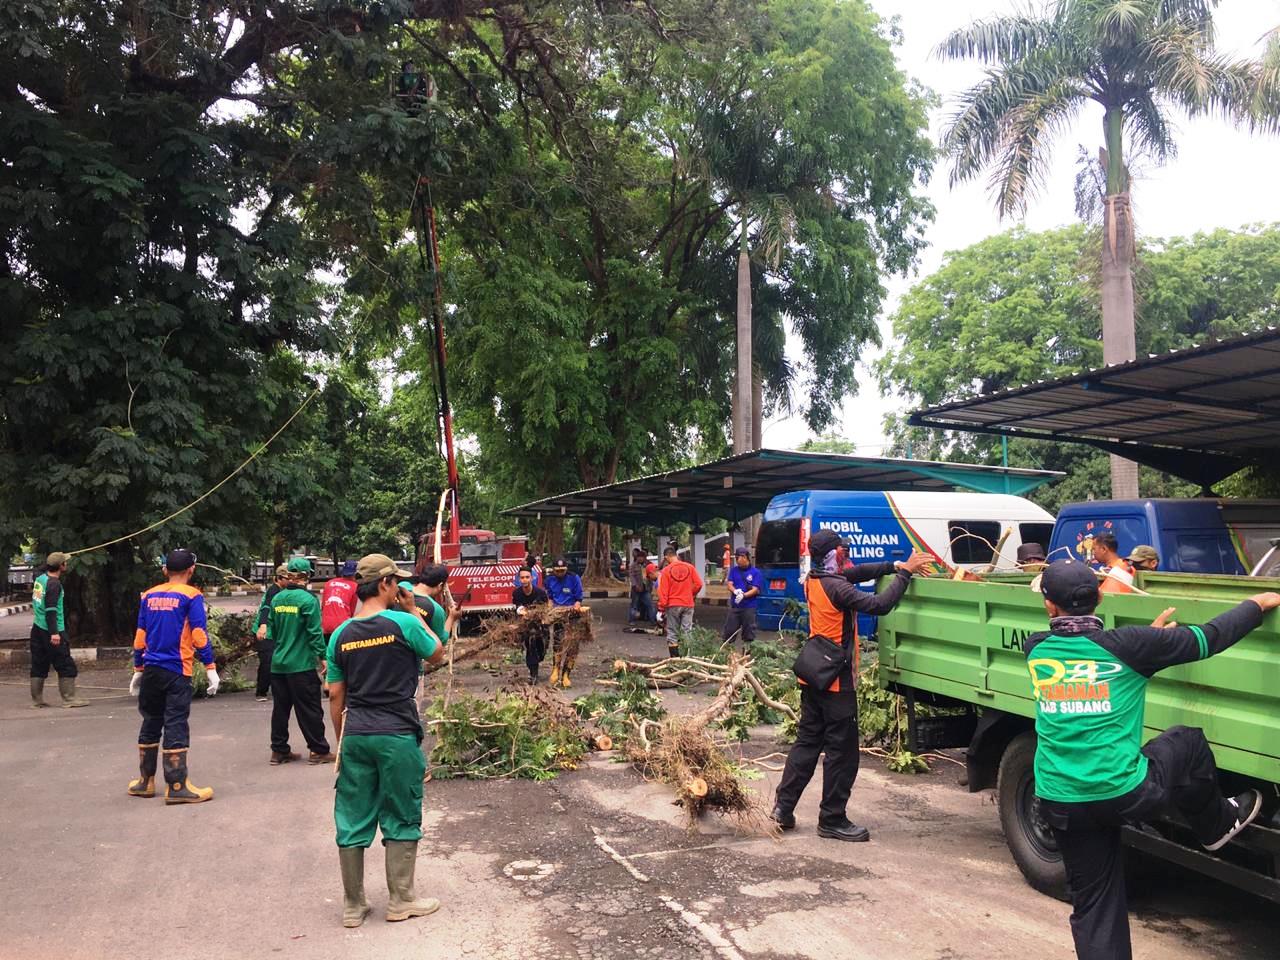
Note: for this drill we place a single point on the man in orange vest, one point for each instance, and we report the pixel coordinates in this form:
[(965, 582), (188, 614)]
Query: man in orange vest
[(1119, 571), (829, 718)]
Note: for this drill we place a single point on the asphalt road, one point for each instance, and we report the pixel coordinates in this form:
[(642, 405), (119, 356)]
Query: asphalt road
[(595, 865)]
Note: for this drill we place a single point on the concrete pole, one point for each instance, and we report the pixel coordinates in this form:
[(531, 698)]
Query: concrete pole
[(698, 557), (742, 391), (663, 540), (736, 538)]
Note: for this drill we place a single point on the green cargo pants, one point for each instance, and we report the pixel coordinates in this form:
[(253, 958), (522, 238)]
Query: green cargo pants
[(379, 785)]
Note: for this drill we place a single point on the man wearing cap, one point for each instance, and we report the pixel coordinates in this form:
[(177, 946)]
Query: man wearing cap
[(50, 646), (744, 582), (1031, 557), (294, 621), (172, 629), (1092, 774), (678, 585), (264, 646), (1144, 557), (829, 718), (373, 664), (565, 590)]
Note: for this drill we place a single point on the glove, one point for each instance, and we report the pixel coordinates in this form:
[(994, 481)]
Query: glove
[(737, 596), (215, 681), (520, 610), (135, 683), (660, 616)]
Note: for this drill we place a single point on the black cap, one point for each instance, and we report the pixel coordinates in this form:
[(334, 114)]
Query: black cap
[(560, 562), (179, 560), (823, 542), (1070, 585)]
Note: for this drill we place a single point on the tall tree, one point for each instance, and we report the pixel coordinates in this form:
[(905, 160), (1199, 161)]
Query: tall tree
[(1020, 307), (1139, 60)]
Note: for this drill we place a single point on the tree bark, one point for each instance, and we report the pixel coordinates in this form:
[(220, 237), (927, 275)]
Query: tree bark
[(599, 540), (742, 391), (1118, 343)]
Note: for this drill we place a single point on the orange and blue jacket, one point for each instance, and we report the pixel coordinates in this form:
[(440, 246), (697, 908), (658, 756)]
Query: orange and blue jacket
[(172, 628)]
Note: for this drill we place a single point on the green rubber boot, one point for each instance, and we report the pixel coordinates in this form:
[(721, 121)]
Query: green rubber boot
[(67, 687), (37, 692), (403, 903), (354, 905)]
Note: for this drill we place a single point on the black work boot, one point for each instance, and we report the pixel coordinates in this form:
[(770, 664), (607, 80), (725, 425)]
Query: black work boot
[(145, 785), (785, 819), (180, 789), (673, 650), (843, 830)]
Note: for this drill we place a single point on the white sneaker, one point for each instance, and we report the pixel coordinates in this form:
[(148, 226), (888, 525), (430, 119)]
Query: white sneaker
[(1248, 805)]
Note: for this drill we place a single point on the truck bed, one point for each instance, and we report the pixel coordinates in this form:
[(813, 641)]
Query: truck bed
[(964, 640)]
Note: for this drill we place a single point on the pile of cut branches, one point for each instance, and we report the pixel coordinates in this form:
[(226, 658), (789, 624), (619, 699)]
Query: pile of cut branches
[(572, 629), (527, 732), (679, 751)]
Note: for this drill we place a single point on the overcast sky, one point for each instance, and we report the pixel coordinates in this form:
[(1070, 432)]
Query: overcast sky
[(1220, 178)]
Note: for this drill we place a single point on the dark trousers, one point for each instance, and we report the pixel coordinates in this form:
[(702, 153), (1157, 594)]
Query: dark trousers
[(828, 724), (299, 692), (164, 700), (45, 654), (742, 622), (641, 606), (1182, 777), (535, 649), (265, 649)]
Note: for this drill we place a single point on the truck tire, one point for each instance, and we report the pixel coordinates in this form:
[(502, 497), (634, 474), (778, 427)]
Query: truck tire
[(1032, 843)]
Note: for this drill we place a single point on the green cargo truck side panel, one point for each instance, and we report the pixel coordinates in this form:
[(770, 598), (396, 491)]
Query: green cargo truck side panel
[(964, 640)]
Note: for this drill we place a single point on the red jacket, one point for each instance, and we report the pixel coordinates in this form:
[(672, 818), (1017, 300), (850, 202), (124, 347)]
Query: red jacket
[(337, 604), (678, 584)]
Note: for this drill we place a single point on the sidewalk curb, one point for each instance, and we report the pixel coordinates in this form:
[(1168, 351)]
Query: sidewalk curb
[(22, 657), (16, 609)]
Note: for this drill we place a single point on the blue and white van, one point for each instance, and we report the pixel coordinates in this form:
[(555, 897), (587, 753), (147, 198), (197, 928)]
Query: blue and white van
[(961, 529)]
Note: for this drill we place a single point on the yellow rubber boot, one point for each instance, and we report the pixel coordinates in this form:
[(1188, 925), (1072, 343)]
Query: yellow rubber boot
[(145, 785), (180, 789), (555, 676)]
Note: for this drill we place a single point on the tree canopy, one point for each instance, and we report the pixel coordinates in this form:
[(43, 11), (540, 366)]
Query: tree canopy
[(205, 213), (1018, 307)]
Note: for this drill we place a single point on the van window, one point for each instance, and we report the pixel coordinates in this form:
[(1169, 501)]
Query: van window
[(1040, 533), (778, 544), (965, 545)]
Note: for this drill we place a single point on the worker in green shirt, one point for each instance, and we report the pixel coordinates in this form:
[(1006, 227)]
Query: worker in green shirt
[(50, 646), (294, 624), (1093, 774), (373, 665)]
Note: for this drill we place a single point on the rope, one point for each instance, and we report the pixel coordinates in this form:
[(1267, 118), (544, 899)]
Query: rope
[(262, 449)]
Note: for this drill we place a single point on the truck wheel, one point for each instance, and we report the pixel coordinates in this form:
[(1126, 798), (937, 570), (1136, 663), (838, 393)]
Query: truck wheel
[(1030, 840)]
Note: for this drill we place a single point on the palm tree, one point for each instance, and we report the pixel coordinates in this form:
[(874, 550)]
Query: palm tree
[(1139, 60)]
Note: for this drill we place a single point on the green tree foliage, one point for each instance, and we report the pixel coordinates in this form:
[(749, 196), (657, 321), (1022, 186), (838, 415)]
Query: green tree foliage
[(1017, 308), (594, 278)]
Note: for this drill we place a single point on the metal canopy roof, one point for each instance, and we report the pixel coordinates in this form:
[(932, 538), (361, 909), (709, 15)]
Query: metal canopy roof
[(739, 486), (1202, 413)]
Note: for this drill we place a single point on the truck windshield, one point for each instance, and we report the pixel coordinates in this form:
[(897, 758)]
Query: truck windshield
[(778, 543)]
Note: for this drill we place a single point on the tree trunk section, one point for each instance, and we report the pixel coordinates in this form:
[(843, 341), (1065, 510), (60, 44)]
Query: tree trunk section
[(1118, 344), (598, 542), (549, 539), (742, 392)]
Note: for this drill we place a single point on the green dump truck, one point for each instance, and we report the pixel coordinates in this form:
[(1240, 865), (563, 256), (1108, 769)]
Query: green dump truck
[(957, 645)]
